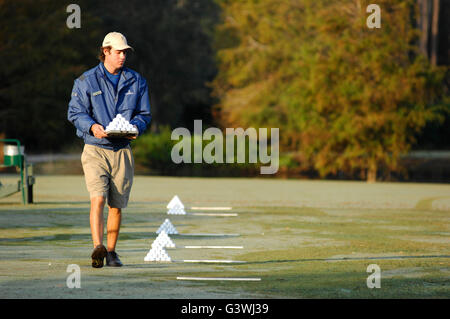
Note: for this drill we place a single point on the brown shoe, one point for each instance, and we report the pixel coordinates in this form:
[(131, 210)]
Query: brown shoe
[(98, 255)]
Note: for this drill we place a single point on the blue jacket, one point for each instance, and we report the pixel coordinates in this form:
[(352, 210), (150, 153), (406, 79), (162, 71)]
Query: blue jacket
[(94, 100)]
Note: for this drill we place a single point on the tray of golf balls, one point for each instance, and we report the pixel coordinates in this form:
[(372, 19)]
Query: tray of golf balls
[(120, 127)]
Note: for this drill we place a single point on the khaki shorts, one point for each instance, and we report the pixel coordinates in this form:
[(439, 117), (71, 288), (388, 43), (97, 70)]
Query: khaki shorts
[(108, 173)]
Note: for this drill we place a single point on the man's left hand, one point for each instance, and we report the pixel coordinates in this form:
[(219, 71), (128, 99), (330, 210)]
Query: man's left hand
[(133, 137)]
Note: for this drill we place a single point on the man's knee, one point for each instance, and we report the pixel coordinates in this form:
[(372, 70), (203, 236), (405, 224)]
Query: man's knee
[(98, 202), (114, 211)]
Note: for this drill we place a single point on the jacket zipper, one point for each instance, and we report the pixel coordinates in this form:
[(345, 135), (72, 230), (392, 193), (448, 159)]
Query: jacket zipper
[(116, 92)]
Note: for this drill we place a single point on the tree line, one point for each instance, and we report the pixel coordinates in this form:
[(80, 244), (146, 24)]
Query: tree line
[(40, 58), (346, 98)]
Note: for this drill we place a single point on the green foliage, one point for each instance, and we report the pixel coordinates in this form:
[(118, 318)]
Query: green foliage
[(346, 97), (153, 151), (39, 59)]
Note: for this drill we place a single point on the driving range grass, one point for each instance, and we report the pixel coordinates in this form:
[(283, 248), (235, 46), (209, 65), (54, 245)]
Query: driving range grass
[(304, 239)]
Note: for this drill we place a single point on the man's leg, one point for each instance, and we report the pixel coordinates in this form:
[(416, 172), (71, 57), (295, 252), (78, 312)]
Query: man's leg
[(96, 172), (96, 219), (119, 192), (113, 227)]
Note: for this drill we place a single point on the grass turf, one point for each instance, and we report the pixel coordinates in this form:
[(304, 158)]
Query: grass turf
[(304, 239)]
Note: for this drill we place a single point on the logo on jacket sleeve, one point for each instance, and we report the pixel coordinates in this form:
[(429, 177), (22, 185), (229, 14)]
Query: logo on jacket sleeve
[(96, 93)]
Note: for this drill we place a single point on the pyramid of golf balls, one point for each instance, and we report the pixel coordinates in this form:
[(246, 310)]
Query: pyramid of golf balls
[(176, 207), (119, 123), (163, 240), (167, 227), (157, 253), (176, 210)]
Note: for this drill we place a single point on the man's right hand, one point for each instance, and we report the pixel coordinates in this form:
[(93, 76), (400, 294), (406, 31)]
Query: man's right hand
[(98, 131)]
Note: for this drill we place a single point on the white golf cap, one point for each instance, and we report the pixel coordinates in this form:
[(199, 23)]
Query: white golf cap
[(116, 40)]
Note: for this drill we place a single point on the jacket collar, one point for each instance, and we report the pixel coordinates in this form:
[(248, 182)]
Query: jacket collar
[(125, 76)]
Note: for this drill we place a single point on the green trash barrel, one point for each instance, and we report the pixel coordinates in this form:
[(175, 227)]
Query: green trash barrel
[(11, 156)]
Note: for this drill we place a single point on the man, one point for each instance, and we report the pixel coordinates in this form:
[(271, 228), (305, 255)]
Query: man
[(98, 95)]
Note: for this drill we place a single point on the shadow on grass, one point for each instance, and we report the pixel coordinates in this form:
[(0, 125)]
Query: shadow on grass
[(62, 203), (41, 210), (344, 259), (87, 236), (73, 237), (49, 238)]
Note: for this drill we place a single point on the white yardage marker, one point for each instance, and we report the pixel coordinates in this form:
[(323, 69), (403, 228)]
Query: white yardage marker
[(212, 214), (211, 235), (219, 278), (211, 208), (219, 261), (215, 247)]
